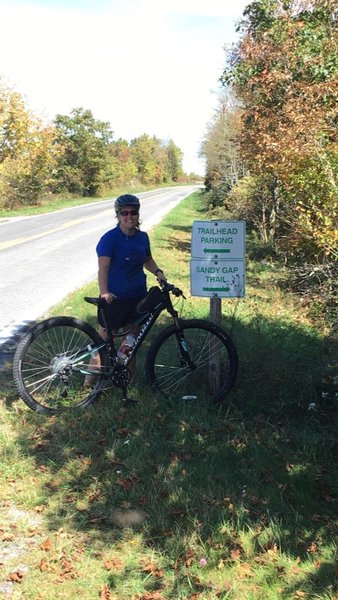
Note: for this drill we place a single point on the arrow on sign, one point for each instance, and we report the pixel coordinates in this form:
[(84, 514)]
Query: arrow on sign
[(221, 289), (224, 250)]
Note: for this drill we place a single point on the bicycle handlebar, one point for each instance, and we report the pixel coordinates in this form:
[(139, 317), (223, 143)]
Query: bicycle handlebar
[(169, 287), (166, 287)]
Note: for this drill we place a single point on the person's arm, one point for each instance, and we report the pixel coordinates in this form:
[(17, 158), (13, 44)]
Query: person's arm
[(151, 266), (104, 265)]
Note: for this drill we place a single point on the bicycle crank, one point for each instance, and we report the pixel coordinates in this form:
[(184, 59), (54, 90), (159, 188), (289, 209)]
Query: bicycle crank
[(121, 376)]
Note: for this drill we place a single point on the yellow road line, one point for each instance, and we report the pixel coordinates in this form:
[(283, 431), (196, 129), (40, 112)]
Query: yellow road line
[(22, 240)]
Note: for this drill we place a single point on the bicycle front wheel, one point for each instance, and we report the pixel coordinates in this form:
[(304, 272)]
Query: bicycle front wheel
[(51, 363), (197, 362)]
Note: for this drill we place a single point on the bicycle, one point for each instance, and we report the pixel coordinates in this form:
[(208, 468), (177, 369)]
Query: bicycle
[(191, 359)]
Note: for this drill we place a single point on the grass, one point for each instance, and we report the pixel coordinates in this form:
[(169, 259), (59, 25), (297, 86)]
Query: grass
[(154, 501)]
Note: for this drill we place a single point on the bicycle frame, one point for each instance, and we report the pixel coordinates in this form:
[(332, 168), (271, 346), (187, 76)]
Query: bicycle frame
[(147, 321), (147, 326)]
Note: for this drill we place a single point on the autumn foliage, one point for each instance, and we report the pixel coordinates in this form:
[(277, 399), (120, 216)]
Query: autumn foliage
[(287, 79), (284, 75), (75, 154)]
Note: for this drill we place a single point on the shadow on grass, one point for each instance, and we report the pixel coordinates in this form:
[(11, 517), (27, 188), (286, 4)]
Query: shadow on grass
[(260, 467), (170, 241)]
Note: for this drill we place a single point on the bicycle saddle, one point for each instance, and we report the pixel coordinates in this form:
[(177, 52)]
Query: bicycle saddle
[(100, 302)]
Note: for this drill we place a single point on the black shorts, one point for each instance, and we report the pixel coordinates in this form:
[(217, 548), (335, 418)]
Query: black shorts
[(118, 313)]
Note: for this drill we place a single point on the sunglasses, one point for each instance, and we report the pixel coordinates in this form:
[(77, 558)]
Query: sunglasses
[(125, 213)]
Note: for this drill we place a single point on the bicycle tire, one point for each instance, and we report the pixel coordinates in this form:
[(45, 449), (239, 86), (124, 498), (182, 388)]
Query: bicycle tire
[(48, 370), (166, 371)]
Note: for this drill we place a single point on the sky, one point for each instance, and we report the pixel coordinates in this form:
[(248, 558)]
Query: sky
[(145, 66)]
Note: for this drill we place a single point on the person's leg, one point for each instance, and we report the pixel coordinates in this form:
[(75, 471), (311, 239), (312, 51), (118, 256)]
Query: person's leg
[(129, 315), (132, 364), (115, 315), (95, 361)]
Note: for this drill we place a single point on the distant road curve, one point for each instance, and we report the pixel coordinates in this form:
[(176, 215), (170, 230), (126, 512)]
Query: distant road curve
[(45, 257)]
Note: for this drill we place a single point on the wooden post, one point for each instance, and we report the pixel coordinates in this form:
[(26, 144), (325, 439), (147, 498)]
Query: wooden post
[(216, 310), (214, 350)]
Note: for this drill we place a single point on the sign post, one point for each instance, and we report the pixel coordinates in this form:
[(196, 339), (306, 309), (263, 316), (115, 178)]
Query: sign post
[(217, 270)]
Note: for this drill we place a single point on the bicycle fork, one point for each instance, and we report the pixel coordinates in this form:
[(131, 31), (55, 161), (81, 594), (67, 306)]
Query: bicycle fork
[(183, 348)]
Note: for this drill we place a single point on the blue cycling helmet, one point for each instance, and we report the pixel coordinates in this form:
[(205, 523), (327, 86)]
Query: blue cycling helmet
[(126, 200)]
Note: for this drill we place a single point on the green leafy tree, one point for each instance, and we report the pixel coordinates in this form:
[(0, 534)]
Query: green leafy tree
[(84, 162), (143, 150), (173, 161), (123, 166)]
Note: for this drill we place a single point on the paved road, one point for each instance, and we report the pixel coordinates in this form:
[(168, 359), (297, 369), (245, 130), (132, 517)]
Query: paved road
[(44, 257)]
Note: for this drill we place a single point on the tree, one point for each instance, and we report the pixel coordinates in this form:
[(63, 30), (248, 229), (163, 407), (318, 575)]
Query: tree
[(150, 158), (14, 123), (27, 157), (84, 163), (220, 148), (285, 73), (123, 166), (173, 162)]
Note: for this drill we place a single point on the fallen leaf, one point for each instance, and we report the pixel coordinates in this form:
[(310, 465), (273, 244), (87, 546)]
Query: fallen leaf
[(46, 566), (43, 566), (105, 592), (15, 576), (153, 569), (62, 534), (126, 483), (93, 496), (67, 565), (46, 545), (151, 596), (273, 551), (189, 558), (68, 572), (113, 563), (245, 570), (7, 537), (235, 554), (33, 532)]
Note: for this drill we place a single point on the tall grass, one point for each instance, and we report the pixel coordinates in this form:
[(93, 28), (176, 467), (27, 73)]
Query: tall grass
[(159, 501)]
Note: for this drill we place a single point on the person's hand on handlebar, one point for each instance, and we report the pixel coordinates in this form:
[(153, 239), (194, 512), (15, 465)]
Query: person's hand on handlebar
[(169, 287), (161, 278), (108, 297)]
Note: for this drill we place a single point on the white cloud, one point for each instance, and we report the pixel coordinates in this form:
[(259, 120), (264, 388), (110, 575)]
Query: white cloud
[(143, 66)]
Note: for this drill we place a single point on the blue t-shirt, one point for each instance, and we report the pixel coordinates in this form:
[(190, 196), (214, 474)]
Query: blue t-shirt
[(128, 254)]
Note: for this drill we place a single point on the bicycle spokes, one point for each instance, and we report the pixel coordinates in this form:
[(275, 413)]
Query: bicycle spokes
[(52, 365), (195, 365)]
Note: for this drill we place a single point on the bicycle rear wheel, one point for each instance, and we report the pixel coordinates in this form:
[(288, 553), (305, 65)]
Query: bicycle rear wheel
[(210, 370), (51, 363)]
